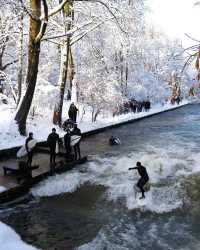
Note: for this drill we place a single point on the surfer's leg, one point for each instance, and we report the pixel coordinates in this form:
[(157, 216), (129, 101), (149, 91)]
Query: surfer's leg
[(143, 183), (79, 151), (142, 190), (29, 160), (140, 184), (75, 152), (51, 155), (51, 158), (54, 158)]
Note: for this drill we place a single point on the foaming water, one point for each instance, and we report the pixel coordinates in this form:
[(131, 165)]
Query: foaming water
[(166, 168)]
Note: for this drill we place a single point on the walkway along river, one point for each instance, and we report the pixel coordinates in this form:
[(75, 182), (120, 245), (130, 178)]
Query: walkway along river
[(94, 207)]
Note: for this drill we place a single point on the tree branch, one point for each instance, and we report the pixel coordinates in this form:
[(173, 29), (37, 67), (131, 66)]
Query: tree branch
[(55, 10), (8, 64), (192, 38), (109, 10), (188, 61), (44, 24), (87, 31)]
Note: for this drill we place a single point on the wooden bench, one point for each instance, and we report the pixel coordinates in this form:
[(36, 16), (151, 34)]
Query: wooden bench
[(22, 172)]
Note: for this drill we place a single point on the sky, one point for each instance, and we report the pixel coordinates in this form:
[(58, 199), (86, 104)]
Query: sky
[(177, 17)]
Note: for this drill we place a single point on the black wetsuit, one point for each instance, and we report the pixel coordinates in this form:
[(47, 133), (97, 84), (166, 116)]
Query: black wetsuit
[(77, 151), (114, 141), (67, 140), (144, 178), (29, 152), (52, 139)]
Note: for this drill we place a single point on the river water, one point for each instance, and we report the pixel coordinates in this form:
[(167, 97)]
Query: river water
[(94, 206)]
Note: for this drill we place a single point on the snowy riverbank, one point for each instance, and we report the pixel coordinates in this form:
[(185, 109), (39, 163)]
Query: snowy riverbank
[(10, 240), (41, 125)]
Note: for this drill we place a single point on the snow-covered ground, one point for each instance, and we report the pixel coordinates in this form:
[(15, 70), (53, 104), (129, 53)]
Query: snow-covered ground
[(41, 125), (10, 240)]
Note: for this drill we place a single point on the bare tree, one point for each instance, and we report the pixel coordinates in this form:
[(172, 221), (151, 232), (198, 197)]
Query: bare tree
[(64, 62), (36, 31)]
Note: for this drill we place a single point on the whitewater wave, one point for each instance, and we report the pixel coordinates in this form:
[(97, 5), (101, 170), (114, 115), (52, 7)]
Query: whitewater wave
[(166, 168), (65, 183)]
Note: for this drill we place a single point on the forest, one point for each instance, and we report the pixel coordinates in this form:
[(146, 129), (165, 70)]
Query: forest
[(98, 54)]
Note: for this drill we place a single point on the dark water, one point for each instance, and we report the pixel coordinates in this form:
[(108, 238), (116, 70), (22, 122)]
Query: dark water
[(94, 207)]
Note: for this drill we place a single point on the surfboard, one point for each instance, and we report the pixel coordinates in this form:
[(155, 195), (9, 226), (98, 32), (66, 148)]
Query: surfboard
[(75, 139), (32, 143), (117, 140), (22, 151)]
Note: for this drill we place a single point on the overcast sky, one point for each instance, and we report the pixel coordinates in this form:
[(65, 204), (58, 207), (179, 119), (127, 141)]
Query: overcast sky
[(177, 17)]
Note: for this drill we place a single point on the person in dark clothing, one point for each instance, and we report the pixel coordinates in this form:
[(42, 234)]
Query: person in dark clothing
[(147, 105), (77, 151), (178, 99), (29, 150), (52, 139), (67, 125), (67, 141), (72, 113), (114, 141), (144, 177)]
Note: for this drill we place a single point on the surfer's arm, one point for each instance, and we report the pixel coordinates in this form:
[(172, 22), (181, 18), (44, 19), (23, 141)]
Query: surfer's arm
[(133, 168)]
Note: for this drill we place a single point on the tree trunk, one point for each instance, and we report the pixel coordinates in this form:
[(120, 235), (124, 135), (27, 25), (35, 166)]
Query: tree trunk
[(65, 51), (32, 70), (72, 71), (20, 56)]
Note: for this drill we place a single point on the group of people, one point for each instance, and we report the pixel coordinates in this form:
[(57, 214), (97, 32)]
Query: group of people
[(71, 129), (132, 105), (54, 142), (176, 100)]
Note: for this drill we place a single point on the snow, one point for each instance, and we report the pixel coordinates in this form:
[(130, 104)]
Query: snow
[(10, 240), (101, 123), (41, 125)]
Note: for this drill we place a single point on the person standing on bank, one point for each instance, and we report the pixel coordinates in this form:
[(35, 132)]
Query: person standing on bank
[(72, 113), (52, 139), (67, 141), (76, 147), (29, 150), (144, 177)]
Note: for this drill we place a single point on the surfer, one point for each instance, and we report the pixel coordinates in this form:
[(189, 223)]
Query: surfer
[(114, 141), (144, 177), (67, 141), (29, 150), (52, 139), (77, 151)]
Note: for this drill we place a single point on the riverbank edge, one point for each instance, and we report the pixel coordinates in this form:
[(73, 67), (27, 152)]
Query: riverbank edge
[(9, 152)]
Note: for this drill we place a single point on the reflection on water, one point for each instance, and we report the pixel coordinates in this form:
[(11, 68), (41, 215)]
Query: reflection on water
[(94, 206)]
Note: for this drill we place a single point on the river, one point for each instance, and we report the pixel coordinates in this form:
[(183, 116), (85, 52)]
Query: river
[(94, 206)]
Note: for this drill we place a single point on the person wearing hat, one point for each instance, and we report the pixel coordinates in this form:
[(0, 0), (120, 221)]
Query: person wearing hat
[(144, 177), (52, 139)]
